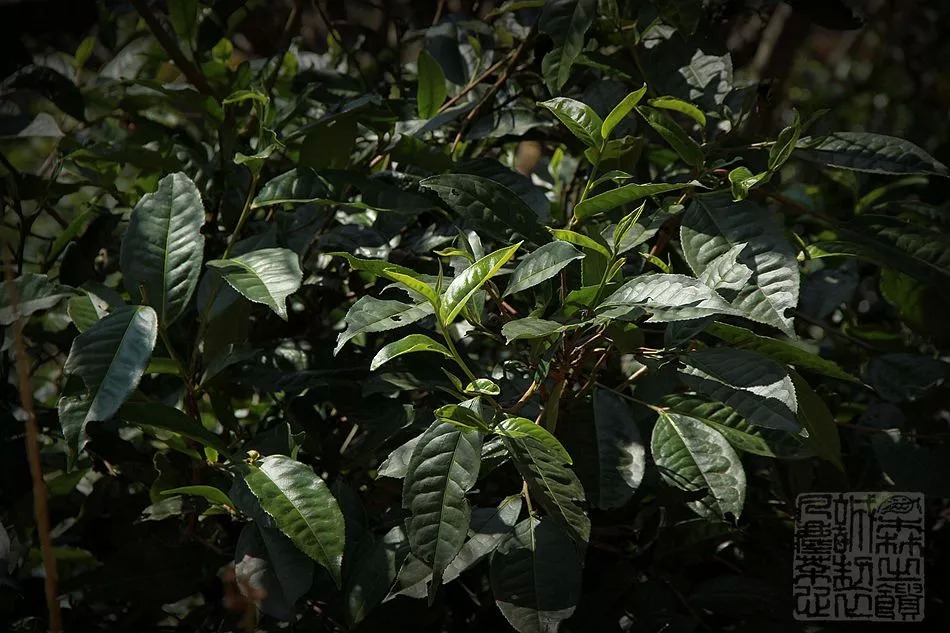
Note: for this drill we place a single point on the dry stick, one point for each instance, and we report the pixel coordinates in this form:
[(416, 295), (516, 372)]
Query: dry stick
[(188, 69), (41, 510)]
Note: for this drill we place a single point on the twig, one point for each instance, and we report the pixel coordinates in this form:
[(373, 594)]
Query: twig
[(40, 507), (187, 68)]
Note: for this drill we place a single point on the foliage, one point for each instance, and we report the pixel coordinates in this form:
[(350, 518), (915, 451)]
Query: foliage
[(527, 318)]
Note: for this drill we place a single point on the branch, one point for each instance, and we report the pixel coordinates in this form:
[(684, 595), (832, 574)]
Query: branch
[(40, 508)]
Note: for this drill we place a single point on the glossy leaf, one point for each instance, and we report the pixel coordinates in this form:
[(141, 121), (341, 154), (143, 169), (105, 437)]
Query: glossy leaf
[(489, 528), (536, 576), (265, 276), (543, 463), (621, 455), (875, 153), (212, 494), (579, 239), (742, 235), (470, 280), (443, 468), (163, 247), (579, 118), (667, 298), (267, 565), (694, 456), (620, 196), (110, 357), (781, 351), (407, 345), (678, 105), (758, 388), (302, 507), (531, 328), (542, 264), (300, 185), (370, 314), (621, 110), (673, 134), (431, 91), (742, 435)]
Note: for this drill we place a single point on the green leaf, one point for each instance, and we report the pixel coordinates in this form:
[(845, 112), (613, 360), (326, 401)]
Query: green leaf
[(620, 196), (730, 237), (785, 143), (692, 456), (515, 427), (470, 280), (481, 200), (302, 507), (370, 314), (465, 415), (817, 419), (212, 494), (110, 357), (542, 264), (163, 247), (444, 466), (265, 276), (489, 528), (875, 153), (667, 298), (413, 283), (85, 309), (579, 118), (781, 351), (167, 418), (621, 455), (543, 463), (482, 387), (743, 180), (431, 91), (672, 133), (757, 387), (299, 186), (566, 21), (375, 572), (621, 110), (183, 15), (579, 239), (903, 377), (407, 345), (267, 562), (532, 327), (678, 105), (741, 434), (33, 292), (536, 576)]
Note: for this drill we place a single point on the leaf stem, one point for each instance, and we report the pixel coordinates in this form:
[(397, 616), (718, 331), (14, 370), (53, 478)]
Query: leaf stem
[(444, 330)]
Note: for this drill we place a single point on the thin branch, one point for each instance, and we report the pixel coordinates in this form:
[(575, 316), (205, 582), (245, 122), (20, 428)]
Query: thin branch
[(40, 507)]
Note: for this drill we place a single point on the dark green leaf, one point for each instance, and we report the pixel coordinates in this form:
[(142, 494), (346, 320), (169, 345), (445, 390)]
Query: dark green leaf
[(431, 92), (621, 456), (863, 151), (302, 507), (543, 463), (542, 264), (212, 494), (163, 247), (817, 419), (407, 345), (694, 456), (758, 388), (667, 298), (673, 134), (579, 118), (444, 466), (536, 576), (161, 416), (110, 357), (620, 196), (566, 21), (370, 314)]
